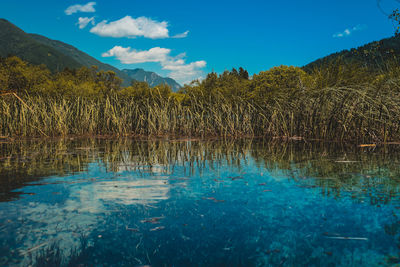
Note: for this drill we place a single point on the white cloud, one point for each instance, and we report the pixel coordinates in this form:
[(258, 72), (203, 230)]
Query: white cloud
[(349, 31), (131, 28), (183, 72), (84, 21), (179, 70), (88, 8), (181, 35), (126, 55)]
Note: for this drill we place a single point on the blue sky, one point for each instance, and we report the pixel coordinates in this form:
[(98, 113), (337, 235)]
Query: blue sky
[(213, 35)]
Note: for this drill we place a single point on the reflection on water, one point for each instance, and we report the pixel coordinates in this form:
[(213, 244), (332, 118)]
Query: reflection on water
[(251, 203), (134, 192)]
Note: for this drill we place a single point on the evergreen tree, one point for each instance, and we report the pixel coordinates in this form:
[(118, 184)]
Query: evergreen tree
[(243, 73)]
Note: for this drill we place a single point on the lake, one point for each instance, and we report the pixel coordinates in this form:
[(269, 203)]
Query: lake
[(124, 202)]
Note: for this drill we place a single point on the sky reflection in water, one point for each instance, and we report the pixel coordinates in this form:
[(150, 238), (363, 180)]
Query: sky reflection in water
[(124, 202)]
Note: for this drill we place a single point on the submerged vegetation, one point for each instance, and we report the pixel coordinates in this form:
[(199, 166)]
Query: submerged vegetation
[(338, 100)]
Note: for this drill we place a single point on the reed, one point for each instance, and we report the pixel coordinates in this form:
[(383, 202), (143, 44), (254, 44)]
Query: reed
[(341, 113)]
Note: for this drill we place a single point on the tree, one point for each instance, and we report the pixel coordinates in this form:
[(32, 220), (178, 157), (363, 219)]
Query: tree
[(243, 73), (395, 17), (270, 83), (19, 76)]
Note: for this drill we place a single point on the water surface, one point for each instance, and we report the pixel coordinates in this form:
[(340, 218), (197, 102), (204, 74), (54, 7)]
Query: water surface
[(182, 203)]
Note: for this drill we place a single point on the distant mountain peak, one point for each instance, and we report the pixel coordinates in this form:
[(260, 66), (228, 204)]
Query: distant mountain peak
[(152, 78)]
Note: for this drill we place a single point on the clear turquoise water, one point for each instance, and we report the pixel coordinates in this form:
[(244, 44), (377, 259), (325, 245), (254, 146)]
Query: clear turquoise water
[(128, 203)]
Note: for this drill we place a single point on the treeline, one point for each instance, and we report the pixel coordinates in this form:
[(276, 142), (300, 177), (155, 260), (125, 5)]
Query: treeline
[(23, 78), (336, 101)]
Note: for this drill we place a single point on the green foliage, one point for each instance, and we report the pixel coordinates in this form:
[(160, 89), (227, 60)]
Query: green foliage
[(340, 73), (230, 84), (17, 75), (337, 100), (268, 84)]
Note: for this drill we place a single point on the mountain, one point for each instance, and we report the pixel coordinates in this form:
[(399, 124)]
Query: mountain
[(37, 49), (81, 57), (152, 78), (15, 42), (374, 55)]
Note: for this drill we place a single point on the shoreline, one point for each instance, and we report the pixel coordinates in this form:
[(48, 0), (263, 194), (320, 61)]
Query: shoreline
[(175, 138)]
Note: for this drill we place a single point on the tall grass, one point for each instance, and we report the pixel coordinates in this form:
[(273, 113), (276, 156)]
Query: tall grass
[(341, 113)]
